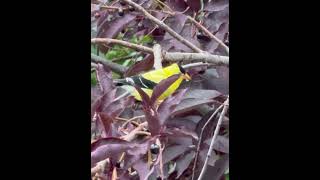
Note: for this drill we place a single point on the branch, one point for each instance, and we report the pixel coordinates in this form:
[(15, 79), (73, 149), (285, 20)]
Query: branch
[(135, 132), (200, 139), (202, 57), (226, 48), (113, 66), (123, 43), (157, 53), (192, 65), (170, 56), (225, 108), (164, 26)]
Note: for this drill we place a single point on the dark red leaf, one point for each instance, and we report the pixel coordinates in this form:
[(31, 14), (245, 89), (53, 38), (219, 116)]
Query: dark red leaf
[(184, 162), (111, 28), (189, 104), (217, 5), (162, 86), (145, 65), (172, 152), (176, 22), (177, 5), (194, 5), (106, 121), (142, 168), (105, 141), (116, 107), (104, 77), (202, 94), (221, 144), (169, 105), (181, 122), (181, 132)]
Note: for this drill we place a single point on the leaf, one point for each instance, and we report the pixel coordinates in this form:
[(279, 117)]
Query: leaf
[(177, 22), (162, 86), (111, 28), (194, 4), (221, 144), (169, 105), (202, 94), (177, 5), (142, 168), (189, 104), (184, 162), (172, 152), (221, 83), (116, 107), (181, 122), (105, 141), (181, 132), (106, 121), (104, 77), (145, 65), (150, 113), (217, 5)]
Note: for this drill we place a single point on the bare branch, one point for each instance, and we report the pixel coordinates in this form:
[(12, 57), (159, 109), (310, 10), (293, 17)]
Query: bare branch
[(198, 64), (202, 57), (163, 26), (157, 53), (113, 66), (133, 133), (226, 48), (200, 139), (170, 56), (225, 108), (123, 43)]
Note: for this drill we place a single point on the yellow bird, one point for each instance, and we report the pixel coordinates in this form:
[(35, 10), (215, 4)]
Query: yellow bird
[(149, 80)]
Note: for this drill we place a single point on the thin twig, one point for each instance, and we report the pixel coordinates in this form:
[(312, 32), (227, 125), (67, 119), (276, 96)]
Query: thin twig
[(157, 53), (121, 96), (133, 133), (125, 57), (164, 26), (123, 43), (226, 48), (225, 108), (200, 139), (132, 119)]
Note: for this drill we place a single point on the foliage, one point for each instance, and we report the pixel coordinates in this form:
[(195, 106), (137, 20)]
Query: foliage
[(178, 120)]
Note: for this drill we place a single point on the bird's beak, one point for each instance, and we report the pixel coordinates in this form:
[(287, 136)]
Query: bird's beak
[(186, 76)]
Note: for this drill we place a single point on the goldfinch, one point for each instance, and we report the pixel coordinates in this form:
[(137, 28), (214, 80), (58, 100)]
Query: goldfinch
[(149, 80)]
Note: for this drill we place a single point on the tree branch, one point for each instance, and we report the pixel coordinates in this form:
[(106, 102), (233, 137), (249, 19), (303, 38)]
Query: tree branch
[(157, 54), (226, 48), (164, 26), (113, 66), (170, 56), (123, 43), (224, 110), (200, 139)]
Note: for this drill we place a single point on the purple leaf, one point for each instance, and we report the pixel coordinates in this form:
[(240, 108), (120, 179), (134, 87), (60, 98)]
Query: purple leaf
[(110, 29), (169, 105), (194, 5), (177, 5), (105, 141), (142, 168), (220, 84), (116, 107), (221, 144), (106, 121), (202, 94), (181, 122), (150, 113), (172, 152), (184, 162), (162, 86), (145, 65), (217, 5), (186, 141), (189, 104), (181, 132), (176, 22), (104, 76)]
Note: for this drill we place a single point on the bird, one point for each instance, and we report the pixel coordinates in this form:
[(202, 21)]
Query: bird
[(149, 80)]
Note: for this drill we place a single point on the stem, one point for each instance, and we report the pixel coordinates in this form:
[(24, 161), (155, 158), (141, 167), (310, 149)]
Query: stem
[(225, 108)]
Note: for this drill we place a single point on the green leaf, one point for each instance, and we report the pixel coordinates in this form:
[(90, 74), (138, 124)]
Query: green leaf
[(146, 39), (93, 79)]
